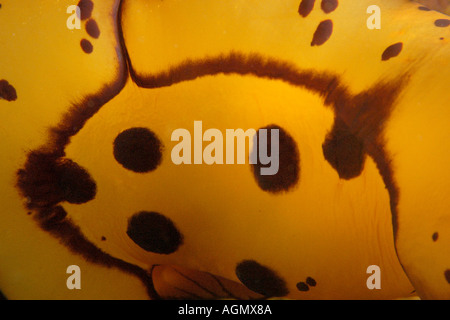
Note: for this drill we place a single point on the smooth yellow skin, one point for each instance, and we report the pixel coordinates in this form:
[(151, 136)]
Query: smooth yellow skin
[(327, 228)]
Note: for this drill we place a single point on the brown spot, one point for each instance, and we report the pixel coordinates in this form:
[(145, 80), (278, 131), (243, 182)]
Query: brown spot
[(261, 279), (86, 45), (435, 236), (7, 91), (86, 7), (92, 28), (424, 8), (305, 7), (392, 51), (447, 275), (322, 33), (311, 282), (301, 286), (442, 23), (138, 150), (441, 38), (103, 238), (47, 180), (288, 161), (344, 151), (154, 232), (329, 5)]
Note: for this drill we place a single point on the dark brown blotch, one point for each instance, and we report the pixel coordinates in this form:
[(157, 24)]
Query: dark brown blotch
[(322, 33), (305, 7), (86, 7), (86, 46), (51, 218), (329, 5), (7, 91), (261, 279), (311, 282), (442, 23), (344, 151), (301, 286), (138, 149), (424, 8), (447, 275), (435, 236), (92, 29), (47, 180), (288, 162), (154, 232), (392, 51)]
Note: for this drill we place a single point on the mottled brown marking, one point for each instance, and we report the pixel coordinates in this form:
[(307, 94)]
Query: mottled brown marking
[(344, 151), (322, 33), (350, 108), (442, 23), (86, 46), (47, 180), (305, 7), (329, 5), (92, 28), (261, 279), (289, 163), (7, 91), (86, 7)]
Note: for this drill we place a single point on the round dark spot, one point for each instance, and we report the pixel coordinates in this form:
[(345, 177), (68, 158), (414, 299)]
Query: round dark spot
[(447, 275), (301, 286), (86, 7), (305, 7), (261, 279), (103, 238), (138, 150), (154, 232), (442, 23), (86, 45), (441, 38), (329, 5), (311, 282), (7, 91), (435, 236), (344, 151), (287, 162), (424, 8), (92, 29), (322, 33), (392, 51)]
